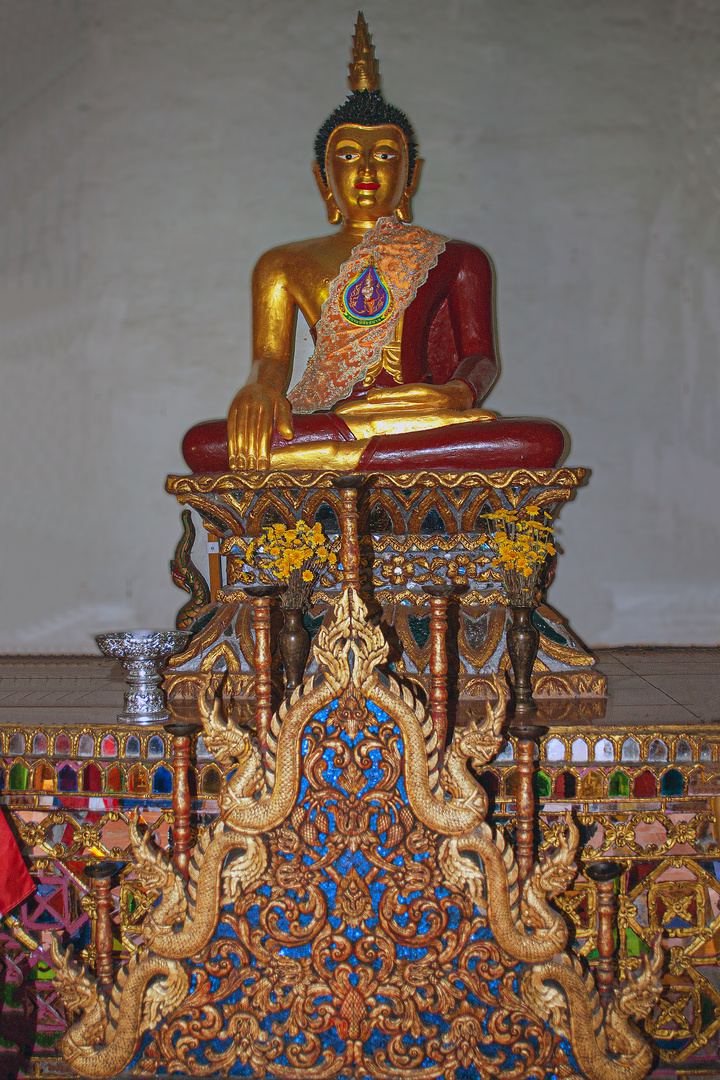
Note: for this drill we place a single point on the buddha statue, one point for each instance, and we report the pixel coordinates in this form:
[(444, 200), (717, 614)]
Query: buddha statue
[(402, 320)]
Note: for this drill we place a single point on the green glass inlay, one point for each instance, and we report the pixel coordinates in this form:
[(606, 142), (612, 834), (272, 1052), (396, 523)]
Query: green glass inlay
[(42, 972), (18, 780), (544, 786), (547, 630), (312, 623), (202, 622), (619, 784), (47, 1038), (420, 629), (634, 945), (10, 996), (707, 1011)]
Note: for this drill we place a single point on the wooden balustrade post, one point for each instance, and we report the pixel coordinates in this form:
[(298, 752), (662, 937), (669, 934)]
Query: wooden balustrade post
[(527, 737), (439, 595), (101, 875), (181, 734), (349, 541), (262, 658), (603, 874)]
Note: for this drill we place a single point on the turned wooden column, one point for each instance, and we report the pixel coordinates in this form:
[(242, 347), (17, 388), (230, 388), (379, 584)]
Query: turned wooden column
[(603, 874), (438, 658), (527, 737), (181, 737), (349, 541), (100, 875), (261, 596)]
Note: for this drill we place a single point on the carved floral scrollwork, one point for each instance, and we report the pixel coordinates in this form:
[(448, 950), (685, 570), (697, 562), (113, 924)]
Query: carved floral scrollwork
[(352, 914)]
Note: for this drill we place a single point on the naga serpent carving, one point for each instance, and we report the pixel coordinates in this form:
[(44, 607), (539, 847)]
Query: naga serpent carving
[(606, 1047), (146, 991), (186, 575), (195, 909), (493, 888)]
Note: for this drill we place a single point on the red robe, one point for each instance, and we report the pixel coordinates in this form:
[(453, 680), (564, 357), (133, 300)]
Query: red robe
[(448, 333)]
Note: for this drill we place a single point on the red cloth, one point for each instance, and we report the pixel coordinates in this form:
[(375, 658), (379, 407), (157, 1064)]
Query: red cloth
[(15, 881)]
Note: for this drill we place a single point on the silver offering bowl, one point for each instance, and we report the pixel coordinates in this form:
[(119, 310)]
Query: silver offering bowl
[(143, 653)]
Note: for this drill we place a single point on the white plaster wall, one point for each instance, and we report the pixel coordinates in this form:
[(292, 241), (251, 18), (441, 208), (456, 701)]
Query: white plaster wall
[(151, 149)]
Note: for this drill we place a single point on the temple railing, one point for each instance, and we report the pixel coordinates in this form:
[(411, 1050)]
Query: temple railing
[(645, 800)]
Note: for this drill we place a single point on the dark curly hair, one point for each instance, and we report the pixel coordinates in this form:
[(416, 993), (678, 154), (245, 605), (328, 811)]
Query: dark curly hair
[(368, 108)]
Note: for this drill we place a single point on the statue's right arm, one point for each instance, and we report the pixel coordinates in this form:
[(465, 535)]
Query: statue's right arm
[(261, 405)]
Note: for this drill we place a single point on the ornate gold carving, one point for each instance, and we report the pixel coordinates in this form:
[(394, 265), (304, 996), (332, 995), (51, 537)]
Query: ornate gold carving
[(686, 861), (677, 902), (340, 868), (353, 899), (205, 639), (504, 479), (489, 887), (419, 656), (222, 657), (183, 921), (495, 625)]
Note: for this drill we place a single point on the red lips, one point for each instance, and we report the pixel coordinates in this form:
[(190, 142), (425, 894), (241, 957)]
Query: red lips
[(367, 187)]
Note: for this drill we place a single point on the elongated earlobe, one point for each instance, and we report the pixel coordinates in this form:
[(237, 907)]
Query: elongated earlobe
[(333, 214), (404, 211)]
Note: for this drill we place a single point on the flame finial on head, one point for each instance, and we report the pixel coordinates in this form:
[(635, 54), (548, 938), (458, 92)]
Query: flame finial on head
[(364, 70), (365, 104)]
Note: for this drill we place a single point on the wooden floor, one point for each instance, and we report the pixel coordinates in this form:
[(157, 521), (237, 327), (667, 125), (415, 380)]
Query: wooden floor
[(645, 686)]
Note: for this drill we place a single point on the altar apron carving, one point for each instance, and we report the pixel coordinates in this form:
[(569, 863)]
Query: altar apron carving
[(352, 913)]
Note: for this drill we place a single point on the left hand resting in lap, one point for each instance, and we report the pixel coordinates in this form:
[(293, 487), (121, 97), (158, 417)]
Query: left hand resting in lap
[(454, 395)]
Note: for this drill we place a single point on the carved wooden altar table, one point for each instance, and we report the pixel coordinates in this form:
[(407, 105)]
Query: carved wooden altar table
[(416, 529)]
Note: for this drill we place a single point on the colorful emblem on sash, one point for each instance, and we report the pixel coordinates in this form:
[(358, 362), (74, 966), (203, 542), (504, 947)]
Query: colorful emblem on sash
[(367, 300)]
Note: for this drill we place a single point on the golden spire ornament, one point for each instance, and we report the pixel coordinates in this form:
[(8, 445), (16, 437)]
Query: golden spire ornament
[(364, 70)]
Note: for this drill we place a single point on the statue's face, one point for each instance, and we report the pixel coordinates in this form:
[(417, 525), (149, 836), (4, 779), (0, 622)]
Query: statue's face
[(367, 170)]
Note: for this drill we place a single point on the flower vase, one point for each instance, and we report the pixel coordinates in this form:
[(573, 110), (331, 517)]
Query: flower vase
[(523, 638), (294, 642)]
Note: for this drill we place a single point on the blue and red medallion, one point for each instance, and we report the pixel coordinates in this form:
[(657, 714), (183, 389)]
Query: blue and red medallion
[(367, 300)]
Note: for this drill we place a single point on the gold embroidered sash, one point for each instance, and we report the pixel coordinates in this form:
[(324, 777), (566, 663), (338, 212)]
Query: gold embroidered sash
[(364, 307)]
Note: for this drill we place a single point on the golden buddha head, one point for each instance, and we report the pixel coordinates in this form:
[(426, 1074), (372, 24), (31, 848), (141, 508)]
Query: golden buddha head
[(366, 164)]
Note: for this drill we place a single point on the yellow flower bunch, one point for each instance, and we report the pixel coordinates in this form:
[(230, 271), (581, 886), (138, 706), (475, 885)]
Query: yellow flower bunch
[(522, 546), (294, 556)]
